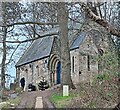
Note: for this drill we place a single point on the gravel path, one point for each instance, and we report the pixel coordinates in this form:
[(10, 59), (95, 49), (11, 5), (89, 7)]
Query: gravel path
[(28, 99)]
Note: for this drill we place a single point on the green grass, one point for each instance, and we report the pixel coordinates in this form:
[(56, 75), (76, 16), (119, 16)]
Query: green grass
[(15, 101), (60, 98), (60, 101)]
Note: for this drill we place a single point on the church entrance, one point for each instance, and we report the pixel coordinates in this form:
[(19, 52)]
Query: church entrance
[(55, 69), (58, 72)]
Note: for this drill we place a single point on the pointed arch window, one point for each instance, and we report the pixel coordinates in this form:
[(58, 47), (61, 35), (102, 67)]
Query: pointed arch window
[(38, 70), (88, 62)]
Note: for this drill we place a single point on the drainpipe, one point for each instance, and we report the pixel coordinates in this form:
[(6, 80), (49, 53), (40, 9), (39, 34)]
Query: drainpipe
[(32, 72)]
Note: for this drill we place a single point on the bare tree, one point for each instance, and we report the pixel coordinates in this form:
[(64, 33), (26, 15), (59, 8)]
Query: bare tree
[(111, 28), (6, 18), (64, 42)]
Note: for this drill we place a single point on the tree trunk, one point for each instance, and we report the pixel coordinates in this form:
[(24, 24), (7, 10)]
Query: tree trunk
[(4, 47), (65, 50), (3, 58), (118, 49)]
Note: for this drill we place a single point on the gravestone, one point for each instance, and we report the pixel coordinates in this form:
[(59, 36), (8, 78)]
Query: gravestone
[(65, 90), (13, 96)]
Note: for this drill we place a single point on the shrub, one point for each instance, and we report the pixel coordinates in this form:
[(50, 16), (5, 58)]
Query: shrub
[(18, 90)]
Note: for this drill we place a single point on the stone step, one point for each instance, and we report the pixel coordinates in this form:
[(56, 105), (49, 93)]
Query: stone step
[(39, 102)]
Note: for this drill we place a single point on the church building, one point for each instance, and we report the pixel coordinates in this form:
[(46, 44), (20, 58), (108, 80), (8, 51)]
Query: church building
[(42, 59)]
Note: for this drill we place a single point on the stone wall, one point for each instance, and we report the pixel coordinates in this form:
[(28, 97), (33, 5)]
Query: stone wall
[(33, 72), (81, 72), (47, 66)]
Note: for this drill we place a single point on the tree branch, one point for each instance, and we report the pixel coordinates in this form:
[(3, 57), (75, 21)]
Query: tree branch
[(11, 29), (30, 22), (110, 28), (28, 40), (12, 54)]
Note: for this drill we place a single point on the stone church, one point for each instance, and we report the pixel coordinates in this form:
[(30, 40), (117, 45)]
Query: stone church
[(42, 59)]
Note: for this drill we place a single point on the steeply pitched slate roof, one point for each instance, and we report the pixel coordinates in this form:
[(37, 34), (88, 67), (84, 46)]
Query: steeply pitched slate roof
[(38, 49), (42, 48), (77, 42)]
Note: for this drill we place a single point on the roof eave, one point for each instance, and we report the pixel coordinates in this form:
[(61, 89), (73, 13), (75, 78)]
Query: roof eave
[(74, 48), (31, 61)]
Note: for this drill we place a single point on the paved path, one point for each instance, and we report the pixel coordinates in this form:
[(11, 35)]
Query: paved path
[(39, 102), (29, 99)]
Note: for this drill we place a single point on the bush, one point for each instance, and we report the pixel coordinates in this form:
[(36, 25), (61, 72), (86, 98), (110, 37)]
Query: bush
[(43, 85), (18, 90), (102, 77), (31, 87)]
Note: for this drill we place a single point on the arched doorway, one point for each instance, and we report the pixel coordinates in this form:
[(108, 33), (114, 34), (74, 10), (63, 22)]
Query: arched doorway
[(54, 66), (58, 72)]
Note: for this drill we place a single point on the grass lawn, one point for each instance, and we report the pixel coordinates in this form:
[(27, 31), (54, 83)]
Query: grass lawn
[(59, 100)]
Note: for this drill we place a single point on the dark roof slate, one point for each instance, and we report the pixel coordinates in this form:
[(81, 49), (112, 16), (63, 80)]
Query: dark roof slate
[(77, 42), (38, 49), (42, 48)]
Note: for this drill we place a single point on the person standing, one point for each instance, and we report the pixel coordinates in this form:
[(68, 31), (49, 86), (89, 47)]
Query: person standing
[(22, 81)]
